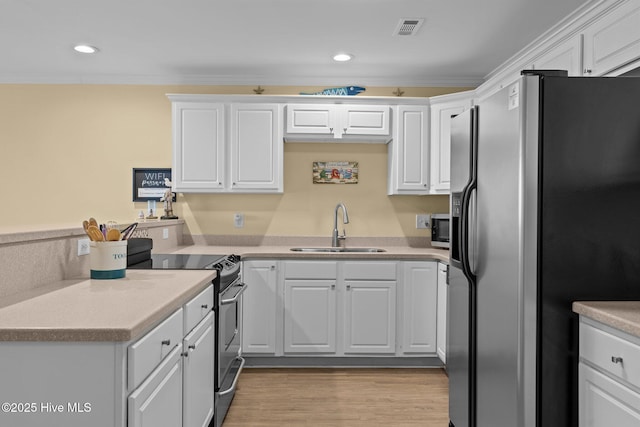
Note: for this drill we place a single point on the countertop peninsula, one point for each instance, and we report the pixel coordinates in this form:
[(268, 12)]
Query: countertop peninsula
[(622, 315), (101, 310)]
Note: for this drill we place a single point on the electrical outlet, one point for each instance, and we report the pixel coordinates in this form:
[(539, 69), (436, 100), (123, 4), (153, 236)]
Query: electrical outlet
[(165, 233), (238, 220), (83, 247), (423, 221)]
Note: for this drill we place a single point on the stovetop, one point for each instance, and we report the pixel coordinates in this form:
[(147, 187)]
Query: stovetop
[(181, 262)]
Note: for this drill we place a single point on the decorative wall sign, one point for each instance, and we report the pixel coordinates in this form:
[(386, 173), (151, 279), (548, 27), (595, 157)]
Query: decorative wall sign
[(149, 184), (335, 172)]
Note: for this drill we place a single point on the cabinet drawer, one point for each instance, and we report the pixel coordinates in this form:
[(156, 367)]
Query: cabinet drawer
[(146, 353), (196, 309), (604, 350), (310, 270), (370, 270)]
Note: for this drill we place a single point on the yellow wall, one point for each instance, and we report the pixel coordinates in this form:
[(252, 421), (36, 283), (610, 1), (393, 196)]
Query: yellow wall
[(68, 150)]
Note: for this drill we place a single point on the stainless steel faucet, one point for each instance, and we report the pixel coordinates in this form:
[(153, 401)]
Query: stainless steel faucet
[(345, 220)]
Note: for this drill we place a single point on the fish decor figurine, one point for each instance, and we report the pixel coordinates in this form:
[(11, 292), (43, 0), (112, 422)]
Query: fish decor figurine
[(339, 91)]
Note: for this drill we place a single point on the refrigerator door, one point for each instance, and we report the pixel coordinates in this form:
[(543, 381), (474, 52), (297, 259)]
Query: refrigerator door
[(500, 299), (459, 292), (589, 204)]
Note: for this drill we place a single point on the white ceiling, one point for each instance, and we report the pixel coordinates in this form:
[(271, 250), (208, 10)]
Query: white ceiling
[(267, 42)]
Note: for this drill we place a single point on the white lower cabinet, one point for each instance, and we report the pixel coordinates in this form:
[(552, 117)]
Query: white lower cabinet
[(370, 316), (605, 402), (170, 373), (608, 377), (441, 326), (352, 308), (310, 300), (259, 306), (420, 287), (309, 316), (198, 386), (158, 401)]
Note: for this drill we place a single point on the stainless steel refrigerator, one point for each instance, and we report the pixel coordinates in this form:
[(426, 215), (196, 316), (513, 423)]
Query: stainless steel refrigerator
[(545, 207)]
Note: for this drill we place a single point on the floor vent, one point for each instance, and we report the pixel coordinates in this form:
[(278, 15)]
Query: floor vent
[(408, 27)]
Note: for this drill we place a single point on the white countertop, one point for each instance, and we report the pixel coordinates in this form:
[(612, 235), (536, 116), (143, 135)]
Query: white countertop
[(622, 315), (124, 309), (285, 252), (101, 310)]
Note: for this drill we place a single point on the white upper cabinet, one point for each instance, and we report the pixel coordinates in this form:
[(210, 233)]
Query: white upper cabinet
[(198, 146), (613, 40), (321, 122), (565, 56), (225, 147), (443, 109), (256, 147), (409, 151)]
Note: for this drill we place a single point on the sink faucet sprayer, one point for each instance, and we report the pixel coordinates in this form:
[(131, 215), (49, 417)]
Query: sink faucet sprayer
[(345, 220)]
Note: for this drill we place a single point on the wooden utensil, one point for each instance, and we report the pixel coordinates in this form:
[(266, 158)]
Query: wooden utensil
[(92, 221), (113, 235), (95, 234)]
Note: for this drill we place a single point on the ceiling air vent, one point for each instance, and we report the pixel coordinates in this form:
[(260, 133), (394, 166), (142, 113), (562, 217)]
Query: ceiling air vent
[(408, 27)]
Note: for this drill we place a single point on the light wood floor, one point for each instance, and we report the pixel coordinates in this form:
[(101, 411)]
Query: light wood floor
[(340, 397)]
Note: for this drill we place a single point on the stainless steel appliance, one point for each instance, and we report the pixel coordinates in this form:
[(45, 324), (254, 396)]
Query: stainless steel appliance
[(440, 230), (532, 168), (229, 361), (228, 288)]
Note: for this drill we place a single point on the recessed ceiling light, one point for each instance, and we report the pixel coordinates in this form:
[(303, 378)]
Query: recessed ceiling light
[(84, 48), (342, 57)]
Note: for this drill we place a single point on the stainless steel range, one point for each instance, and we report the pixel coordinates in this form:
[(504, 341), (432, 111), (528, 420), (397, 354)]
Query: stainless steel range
[(228, 289)]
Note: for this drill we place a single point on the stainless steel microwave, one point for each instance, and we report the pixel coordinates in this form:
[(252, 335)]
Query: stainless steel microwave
[(440, 230)]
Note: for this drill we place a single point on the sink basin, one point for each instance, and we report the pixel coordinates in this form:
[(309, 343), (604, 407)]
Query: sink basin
[(337, 250)]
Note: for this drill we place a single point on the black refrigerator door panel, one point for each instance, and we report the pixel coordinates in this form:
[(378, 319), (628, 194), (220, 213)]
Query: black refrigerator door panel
[(589, 233)]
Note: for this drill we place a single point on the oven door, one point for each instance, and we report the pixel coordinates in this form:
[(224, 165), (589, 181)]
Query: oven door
[(229, 328)]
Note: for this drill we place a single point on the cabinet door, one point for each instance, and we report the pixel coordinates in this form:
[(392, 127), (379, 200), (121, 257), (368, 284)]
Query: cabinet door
[(256, 148), (311, 118), (369, 316), (158, 400), (604, 402), (198, 147), (309, 316), (420, 307), (259, 307), (613, 40), (198, 387), (565, 56), (409, 151), (441, 326), (440, 165), (364, 120)]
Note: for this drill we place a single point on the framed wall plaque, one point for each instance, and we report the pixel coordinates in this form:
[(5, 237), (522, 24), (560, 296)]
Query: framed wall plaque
[(149, 184), (335, 172)]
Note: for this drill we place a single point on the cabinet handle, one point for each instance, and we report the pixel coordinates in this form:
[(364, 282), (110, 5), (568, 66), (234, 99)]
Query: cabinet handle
[(205, 306), (192, 347), (330, 130), (166, 342), (345, 130), (333, 286), (616, 359), (587, 71), (348, 287), (273, 267)]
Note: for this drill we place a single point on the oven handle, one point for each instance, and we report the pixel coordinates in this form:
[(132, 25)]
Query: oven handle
[(235, 380), (233, 300)]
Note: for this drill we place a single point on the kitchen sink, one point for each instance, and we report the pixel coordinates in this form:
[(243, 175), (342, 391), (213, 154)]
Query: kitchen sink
[(337, 250)]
